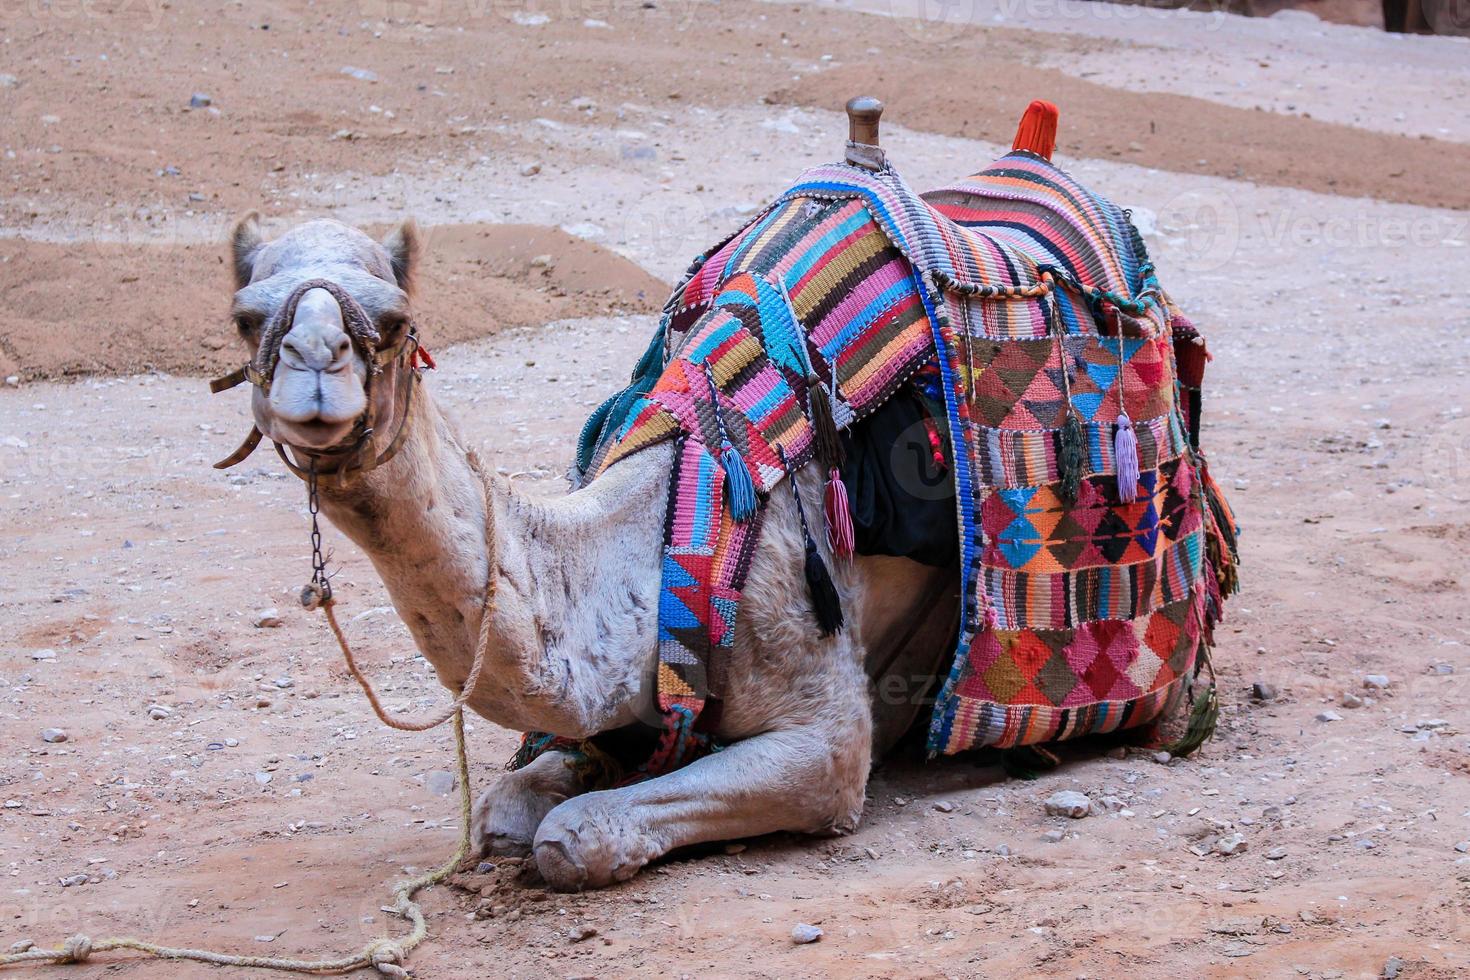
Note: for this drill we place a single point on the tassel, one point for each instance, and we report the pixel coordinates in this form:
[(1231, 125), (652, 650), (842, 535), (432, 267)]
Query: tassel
[(1037, 132), (1071, 457), (1125, 455), (824, 427), (739, 486), (1202, 720), (825, 601), (840, 536)]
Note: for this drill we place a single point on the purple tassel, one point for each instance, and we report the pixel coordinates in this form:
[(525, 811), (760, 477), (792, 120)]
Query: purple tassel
[(1125, 455), (840, 537)]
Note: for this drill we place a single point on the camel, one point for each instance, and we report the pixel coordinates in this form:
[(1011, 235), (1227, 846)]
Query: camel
[(546, 615), (572, 640)]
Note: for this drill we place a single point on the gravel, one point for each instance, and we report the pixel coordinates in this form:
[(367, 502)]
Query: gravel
[(1069, 803), (802, 933)]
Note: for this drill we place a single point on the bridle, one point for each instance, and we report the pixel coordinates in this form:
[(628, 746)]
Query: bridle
[(353, 456)]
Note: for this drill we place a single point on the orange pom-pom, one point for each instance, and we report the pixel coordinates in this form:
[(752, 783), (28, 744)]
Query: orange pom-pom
[(1037, 132)]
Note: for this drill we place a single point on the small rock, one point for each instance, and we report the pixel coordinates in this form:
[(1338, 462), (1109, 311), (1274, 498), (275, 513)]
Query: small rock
[(284, 683), (71, 881), (1351, 701), (1231, 844), (801, 934), (1441, 669), (1328, 716), (1392, 967), (1068, 803), (440, 782), (1162, 758), (734, 847), (1262, 691), (543, 262), (530, 170), (944, 806), (21, 946), (1053, 836), (361, 74), (1377, 682), (46, 654), (200, 101), (1276, 854), (1003, 850), (158, 712), (268, 618), (53, 735), (1433, 723), (1463, 847), (581, 933), (261, 778)]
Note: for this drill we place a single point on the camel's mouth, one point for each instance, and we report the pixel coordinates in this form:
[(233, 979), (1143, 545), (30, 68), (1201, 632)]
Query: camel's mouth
[(314, 434)]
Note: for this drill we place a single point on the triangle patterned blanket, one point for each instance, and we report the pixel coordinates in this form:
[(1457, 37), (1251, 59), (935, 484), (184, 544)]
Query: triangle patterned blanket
[(1093, 560)]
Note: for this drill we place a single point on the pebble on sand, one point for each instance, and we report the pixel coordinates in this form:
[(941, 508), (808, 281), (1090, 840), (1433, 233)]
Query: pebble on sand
[(53, 735), (1328, 716), (1231, 844), (1377, 682), (1068, 803), (268, 618), (802, 933)]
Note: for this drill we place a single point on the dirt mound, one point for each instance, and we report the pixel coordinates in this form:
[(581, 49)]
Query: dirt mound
[(69, 310)]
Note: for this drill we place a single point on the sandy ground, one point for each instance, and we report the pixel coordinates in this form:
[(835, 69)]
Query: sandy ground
[(1325, 256)]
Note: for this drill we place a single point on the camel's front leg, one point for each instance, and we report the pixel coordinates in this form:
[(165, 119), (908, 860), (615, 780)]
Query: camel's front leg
[(507, 814), (807, 779)]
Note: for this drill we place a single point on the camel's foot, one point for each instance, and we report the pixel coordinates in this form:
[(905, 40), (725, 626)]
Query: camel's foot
[(507, 813), (589, 842)]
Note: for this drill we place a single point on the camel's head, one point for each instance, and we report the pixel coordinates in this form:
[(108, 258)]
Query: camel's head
[(313, 349)]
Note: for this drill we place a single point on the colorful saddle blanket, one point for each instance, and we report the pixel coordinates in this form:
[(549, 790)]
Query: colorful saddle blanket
[(1093, 561)]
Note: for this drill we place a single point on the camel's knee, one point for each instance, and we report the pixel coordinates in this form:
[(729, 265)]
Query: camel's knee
[(833, 795), (510, 809)]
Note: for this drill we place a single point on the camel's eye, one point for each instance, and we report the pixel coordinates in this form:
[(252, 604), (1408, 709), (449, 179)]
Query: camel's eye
[(248, 324), (390, 327)]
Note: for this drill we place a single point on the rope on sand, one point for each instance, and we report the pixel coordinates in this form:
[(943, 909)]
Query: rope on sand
[(384, 954)]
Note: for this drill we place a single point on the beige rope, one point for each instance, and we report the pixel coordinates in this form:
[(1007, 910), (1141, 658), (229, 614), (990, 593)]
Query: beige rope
[(384, 954)]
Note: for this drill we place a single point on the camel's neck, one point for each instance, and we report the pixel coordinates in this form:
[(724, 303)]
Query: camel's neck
[(577, 578)]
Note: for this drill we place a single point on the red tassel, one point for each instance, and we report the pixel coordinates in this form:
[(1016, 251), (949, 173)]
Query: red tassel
[(840, 537), (1037, 132), (421, 353)]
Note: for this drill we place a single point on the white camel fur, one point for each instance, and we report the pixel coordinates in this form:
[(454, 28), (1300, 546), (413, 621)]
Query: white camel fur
[(572, 645)]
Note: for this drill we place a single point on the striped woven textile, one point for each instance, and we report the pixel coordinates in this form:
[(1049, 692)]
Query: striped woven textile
[(1088, 599)]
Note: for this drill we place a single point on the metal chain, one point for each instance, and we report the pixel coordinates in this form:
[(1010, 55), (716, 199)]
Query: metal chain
[(319, 591)]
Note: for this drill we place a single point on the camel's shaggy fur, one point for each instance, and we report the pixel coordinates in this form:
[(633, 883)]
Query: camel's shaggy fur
[(572, 646)]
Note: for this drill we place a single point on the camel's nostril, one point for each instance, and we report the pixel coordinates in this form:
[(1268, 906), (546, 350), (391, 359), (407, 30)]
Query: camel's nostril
[(343, 346), (291, 348)]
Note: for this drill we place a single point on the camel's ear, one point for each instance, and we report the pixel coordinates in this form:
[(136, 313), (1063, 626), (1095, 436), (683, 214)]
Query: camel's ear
[(402, 244), (244, 243)]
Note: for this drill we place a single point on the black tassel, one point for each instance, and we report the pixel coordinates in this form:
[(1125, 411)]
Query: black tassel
[(825, 601), (824, 427), (1072, 457)]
